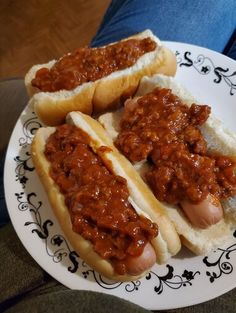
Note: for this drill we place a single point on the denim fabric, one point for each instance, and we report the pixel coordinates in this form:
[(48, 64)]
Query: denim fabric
[(207, 23), (232, 50)]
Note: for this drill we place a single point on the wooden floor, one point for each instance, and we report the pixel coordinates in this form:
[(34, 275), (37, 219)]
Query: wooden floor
[(36, 31)]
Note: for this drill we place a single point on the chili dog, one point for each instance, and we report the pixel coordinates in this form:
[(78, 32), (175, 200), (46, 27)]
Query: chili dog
[(92, 80), (184, 154), (106, 211)]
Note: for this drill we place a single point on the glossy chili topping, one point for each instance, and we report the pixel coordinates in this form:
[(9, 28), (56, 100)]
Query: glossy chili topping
[(90, 64), (161, 128), (97, 200)]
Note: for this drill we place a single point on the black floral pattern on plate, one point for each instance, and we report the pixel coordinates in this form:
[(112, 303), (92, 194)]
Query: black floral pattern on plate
[(24, 164), (204, 66), (169, 280), (219, 261), (29, 128), (172, 281), (56, 245)]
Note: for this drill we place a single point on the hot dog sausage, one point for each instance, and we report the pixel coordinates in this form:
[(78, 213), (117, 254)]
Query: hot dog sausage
[(204, 214), (140, 264)]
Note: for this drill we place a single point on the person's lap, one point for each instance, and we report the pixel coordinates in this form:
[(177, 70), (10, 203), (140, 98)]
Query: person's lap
[(210, 23), (4, 218)]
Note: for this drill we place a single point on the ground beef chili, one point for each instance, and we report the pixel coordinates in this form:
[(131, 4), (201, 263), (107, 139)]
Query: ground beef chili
[(97, 199), (160, 128), (90, 64)]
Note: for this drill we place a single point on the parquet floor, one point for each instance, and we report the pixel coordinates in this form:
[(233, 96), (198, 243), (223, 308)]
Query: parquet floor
[(36, 31)]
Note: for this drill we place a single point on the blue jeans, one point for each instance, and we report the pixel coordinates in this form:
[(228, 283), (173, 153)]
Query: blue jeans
[(207, 23)]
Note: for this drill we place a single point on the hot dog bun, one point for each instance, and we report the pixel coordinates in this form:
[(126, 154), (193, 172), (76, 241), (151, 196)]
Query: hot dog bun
[(105, 93), (219, 140), (166, 243)]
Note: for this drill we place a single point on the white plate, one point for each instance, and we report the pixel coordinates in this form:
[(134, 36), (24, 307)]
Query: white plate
[(186, 279)]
